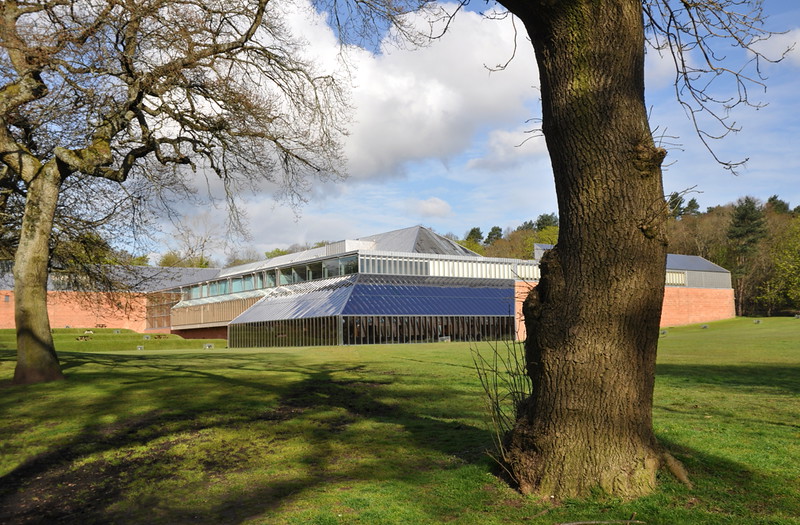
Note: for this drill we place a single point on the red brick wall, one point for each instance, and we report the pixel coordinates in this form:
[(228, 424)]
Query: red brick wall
[(696, 305), (7, 309), (681, 305), (83, 310), (521, 290)]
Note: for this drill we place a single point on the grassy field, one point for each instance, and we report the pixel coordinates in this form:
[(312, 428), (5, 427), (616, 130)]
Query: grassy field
[(371, 435), (108, 340)]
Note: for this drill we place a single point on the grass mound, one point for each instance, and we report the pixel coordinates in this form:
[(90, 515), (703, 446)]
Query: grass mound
[(114, 340)]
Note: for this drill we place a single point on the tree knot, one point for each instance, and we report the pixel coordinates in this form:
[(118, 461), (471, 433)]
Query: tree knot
[(648, 159)]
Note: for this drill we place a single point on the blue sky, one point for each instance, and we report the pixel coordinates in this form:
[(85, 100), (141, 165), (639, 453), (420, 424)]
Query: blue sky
[(439, 140)]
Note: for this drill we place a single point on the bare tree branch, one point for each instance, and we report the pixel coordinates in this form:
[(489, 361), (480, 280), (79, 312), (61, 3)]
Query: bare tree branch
[(694, 33)]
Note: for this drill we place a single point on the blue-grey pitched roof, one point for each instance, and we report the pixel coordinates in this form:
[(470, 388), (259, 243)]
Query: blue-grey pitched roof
[(134, 278), (693, 263), (417, 239)]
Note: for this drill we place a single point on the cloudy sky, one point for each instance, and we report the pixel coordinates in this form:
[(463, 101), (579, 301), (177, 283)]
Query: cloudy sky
[(439, 139)]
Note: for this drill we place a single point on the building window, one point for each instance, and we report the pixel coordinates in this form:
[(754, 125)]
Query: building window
[(299, 274), (315, 271), (331, 268), (348, 265)]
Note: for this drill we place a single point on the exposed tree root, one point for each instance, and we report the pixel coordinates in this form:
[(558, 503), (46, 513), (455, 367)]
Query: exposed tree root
[(676, 468)]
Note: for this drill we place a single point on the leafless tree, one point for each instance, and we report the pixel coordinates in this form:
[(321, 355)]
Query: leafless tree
[(148, 93)]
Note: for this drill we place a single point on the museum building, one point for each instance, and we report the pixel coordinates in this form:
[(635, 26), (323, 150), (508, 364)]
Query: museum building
[(404, 286)]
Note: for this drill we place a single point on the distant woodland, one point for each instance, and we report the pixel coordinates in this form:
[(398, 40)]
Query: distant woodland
[(758, 241)]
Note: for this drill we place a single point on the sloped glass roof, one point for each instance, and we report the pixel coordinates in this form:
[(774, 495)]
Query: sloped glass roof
[(370, 295), (313, 299), (222, 298), (411, 299)]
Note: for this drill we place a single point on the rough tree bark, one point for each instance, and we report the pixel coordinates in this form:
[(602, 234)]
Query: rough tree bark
[(593, 320), (36, 354)]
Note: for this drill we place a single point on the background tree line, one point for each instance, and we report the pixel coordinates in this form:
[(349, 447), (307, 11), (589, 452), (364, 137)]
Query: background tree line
[(514, 243), (759, 242)]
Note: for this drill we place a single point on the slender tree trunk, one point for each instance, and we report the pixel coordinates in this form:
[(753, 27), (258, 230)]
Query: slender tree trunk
[(36, 355), (593, 320)]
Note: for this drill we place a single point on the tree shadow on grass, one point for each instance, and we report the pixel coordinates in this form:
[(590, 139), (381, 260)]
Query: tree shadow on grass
[(775, 378), (8, 360), (85, 479), (117, 472), (731, 492), (724, 486)]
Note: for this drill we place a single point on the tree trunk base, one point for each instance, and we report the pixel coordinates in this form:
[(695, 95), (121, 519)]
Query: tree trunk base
[(27, 376), (561, 469)]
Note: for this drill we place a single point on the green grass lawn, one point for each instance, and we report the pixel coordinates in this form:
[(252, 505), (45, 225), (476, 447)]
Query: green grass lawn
[(107, 340), (371, 435)]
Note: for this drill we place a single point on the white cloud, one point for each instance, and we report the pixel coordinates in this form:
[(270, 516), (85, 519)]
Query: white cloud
[(778, 44), (431, 207), (659, 68), (505, 148), (432, 101), (438, 117), (318, 43)]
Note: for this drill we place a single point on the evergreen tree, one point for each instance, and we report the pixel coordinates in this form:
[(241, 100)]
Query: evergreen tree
[(475, 235), (746, 230), (692, 207), (776, 205), (546, 220), (494, 234), (675, 205), (747, 226)]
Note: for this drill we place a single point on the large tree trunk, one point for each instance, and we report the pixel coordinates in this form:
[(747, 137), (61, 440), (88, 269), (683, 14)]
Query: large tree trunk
[(593, 320), (36, 354)]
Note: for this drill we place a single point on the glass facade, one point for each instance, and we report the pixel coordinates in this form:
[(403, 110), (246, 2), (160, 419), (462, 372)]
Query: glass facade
[(369, 329), (379, 329), (376, 309), (377, 263), (270, 278)]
